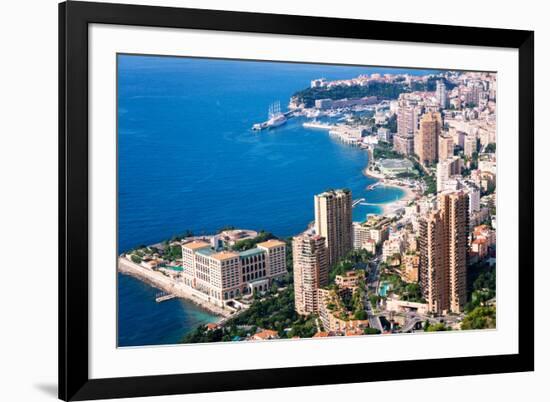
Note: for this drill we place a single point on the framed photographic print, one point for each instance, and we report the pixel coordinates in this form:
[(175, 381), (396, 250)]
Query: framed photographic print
[(258, 201)]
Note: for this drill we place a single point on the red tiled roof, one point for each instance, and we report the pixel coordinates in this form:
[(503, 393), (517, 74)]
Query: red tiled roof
[(266, 334)]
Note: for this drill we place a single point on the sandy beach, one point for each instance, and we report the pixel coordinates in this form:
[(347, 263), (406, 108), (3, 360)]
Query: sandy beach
[(390, 207), (409, 195)]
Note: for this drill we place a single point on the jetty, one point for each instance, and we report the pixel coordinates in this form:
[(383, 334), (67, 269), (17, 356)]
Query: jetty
[(373, 186), (164, 296)]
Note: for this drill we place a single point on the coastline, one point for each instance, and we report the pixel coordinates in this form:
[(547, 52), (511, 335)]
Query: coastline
[(390, 207), (162, 282)]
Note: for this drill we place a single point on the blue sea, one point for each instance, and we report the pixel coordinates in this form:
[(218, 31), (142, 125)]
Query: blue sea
[(188, 160)]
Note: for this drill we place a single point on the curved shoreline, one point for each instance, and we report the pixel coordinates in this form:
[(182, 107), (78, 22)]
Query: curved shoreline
[(389, 207)]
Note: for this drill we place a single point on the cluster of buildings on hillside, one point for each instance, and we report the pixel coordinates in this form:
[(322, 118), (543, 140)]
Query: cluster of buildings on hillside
[(468, 111), (430, 242), (318, 248), (434, 239), (314, 252), (366, 79)]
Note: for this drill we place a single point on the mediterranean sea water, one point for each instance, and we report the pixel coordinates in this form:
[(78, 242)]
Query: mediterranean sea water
[(188, 160)]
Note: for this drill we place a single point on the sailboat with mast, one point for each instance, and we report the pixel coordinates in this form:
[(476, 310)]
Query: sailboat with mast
[(275, 118)]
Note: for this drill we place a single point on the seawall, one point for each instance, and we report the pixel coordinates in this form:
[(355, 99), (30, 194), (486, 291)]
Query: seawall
[(166, 284)]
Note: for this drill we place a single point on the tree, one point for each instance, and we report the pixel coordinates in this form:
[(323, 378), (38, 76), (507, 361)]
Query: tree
[(374, 300), (474, 161), (491, 148), (392, 123), (371, 331), (382, 90), (136, 259), (172, 253), (360, 315), (435, 327), (480, 318), (247, 244), (431, 185)]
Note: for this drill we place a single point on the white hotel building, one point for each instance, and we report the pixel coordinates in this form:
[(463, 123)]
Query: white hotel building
[(220, 276)]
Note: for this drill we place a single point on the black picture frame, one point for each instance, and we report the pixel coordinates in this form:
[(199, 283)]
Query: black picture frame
[(74, 19)]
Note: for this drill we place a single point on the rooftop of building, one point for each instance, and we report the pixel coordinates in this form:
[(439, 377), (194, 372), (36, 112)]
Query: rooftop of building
[(225, 255), (309, 235), (237, 234), (196, 245), (266, 334), (334, 193), (481, 228), (374, 221), (271, 243), (250, 252), (354, 332), (396, 164), (207, 251)]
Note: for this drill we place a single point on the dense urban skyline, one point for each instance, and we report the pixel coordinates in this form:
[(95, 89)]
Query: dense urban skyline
[(425, 262)]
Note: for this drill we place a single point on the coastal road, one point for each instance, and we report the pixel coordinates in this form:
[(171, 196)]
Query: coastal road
[(374, 320), (410, 325), (374, 274), (372, 282)]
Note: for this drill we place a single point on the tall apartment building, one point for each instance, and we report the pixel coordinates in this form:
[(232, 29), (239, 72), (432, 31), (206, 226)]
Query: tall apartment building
[(333, 221), (443, 251), (310, 261), (434, 274), (441, 94), (471, 93), (426, 139), (407, 118), (219, 276), (446, 147), (407, 121), (454, 207)]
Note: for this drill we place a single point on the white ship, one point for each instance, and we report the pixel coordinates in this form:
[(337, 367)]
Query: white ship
[(275, 118)]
